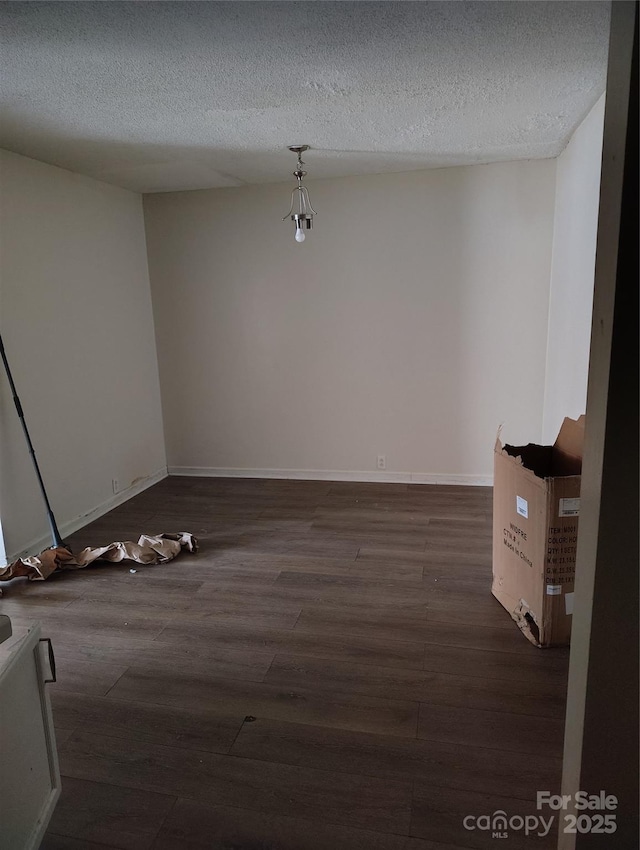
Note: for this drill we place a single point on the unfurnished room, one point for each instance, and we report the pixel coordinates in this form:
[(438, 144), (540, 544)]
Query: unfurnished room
[(318, 425)]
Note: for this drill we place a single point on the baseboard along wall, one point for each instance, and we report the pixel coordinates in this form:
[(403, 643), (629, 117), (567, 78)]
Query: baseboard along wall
[(334, 475)]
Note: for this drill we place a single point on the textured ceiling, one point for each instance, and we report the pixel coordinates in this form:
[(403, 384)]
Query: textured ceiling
[(168, 96)]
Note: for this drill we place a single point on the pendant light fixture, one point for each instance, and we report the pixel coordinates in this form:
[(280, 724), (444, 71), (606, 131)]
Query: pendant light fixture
[(301, 212)]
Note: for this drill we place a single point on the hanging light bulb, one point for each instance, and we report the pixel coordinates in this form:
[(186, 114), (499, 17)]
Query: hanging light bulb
[(303, 216)]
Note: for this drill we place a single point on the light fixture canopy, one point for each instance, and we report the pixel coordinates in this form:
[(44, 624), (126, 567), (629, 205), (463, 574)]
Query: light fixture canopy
[(301, 212)]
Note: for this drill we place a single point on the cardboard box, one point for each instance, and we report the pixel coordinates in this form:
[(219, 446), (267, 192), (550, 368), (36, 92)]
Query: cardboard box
[(536, 504)]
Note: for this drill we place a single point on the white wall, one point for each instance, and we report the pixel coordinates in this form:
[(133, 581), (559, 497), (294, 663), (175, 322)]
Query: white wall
[(411, 322), (75, 314), (572, 273)]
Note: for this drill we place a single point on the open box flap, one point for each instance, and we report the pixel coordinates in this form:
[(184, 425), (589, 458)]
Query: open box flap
[(568, 447)]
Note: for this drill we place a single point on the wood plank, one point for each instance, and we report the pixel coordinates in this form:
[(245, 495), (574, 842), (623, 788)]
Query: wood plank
[(434, 562), (234, 613), (462, 526), (65, 842), (369, 519), (92, 811), (428, 499), (421, 844), (388, 555), (55, 591), (358, 801), (293, 671), (125, 652), (440, 553), (117, 596), (327, 566), (211, 527), (443, 541), (449, 765), (62, 734), (31, 610), (86, 677), (243, 609), (352, 597), (252, 638), (157, 724), (500, 730), (196, 826), (354, 569), (130, 619), (209, 563), (382, 621), (458, 579), (345, 589), (300, 705), (470, 609), (438, 814), (341, 594), (414, 622), (533, 668), (317, 545), (367, 489), (66, 631), (504, 639), (149, 581), (276, 561), (253, 582)]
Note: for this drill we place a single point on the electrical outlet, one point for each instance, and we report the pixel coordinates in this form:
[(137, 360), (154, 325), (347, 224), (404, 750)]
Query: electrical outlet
[(382, 462), (115, 486)]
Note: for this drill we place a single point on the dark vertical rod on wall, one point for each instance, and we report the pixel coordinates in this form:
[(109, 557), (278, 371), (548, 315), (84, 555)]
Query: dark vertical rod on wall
[(55, 534)]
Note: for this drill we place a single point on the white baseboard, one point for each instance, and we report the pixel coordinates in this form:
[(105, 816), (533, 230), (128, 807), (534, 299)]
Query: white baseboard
[(334, 475), (67, 528)]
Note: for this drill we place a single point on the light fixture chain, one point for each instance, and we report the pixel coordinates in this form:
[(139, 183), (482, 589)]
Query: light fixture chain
[(303, 219)]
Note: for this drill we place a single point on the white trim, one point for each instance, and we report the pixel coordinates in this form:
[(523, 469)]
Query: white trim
[(3, 554), (334, 475), (67, 528)]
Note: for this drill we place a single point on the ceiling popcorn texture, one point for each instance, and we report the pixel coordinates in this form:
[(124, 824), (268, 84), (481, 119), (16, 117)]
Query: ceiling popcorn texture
[(168, 96)]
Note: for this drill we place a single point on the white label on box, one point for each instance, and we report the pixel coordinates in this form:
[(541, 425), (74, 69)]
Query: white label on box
[(554, 590), (568, 603), (522, 507), (569, 507)]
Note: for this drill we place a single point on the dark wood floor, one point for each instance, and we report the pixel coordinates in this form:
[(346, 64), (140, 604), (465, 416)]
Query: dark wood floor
[(328, 672)]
